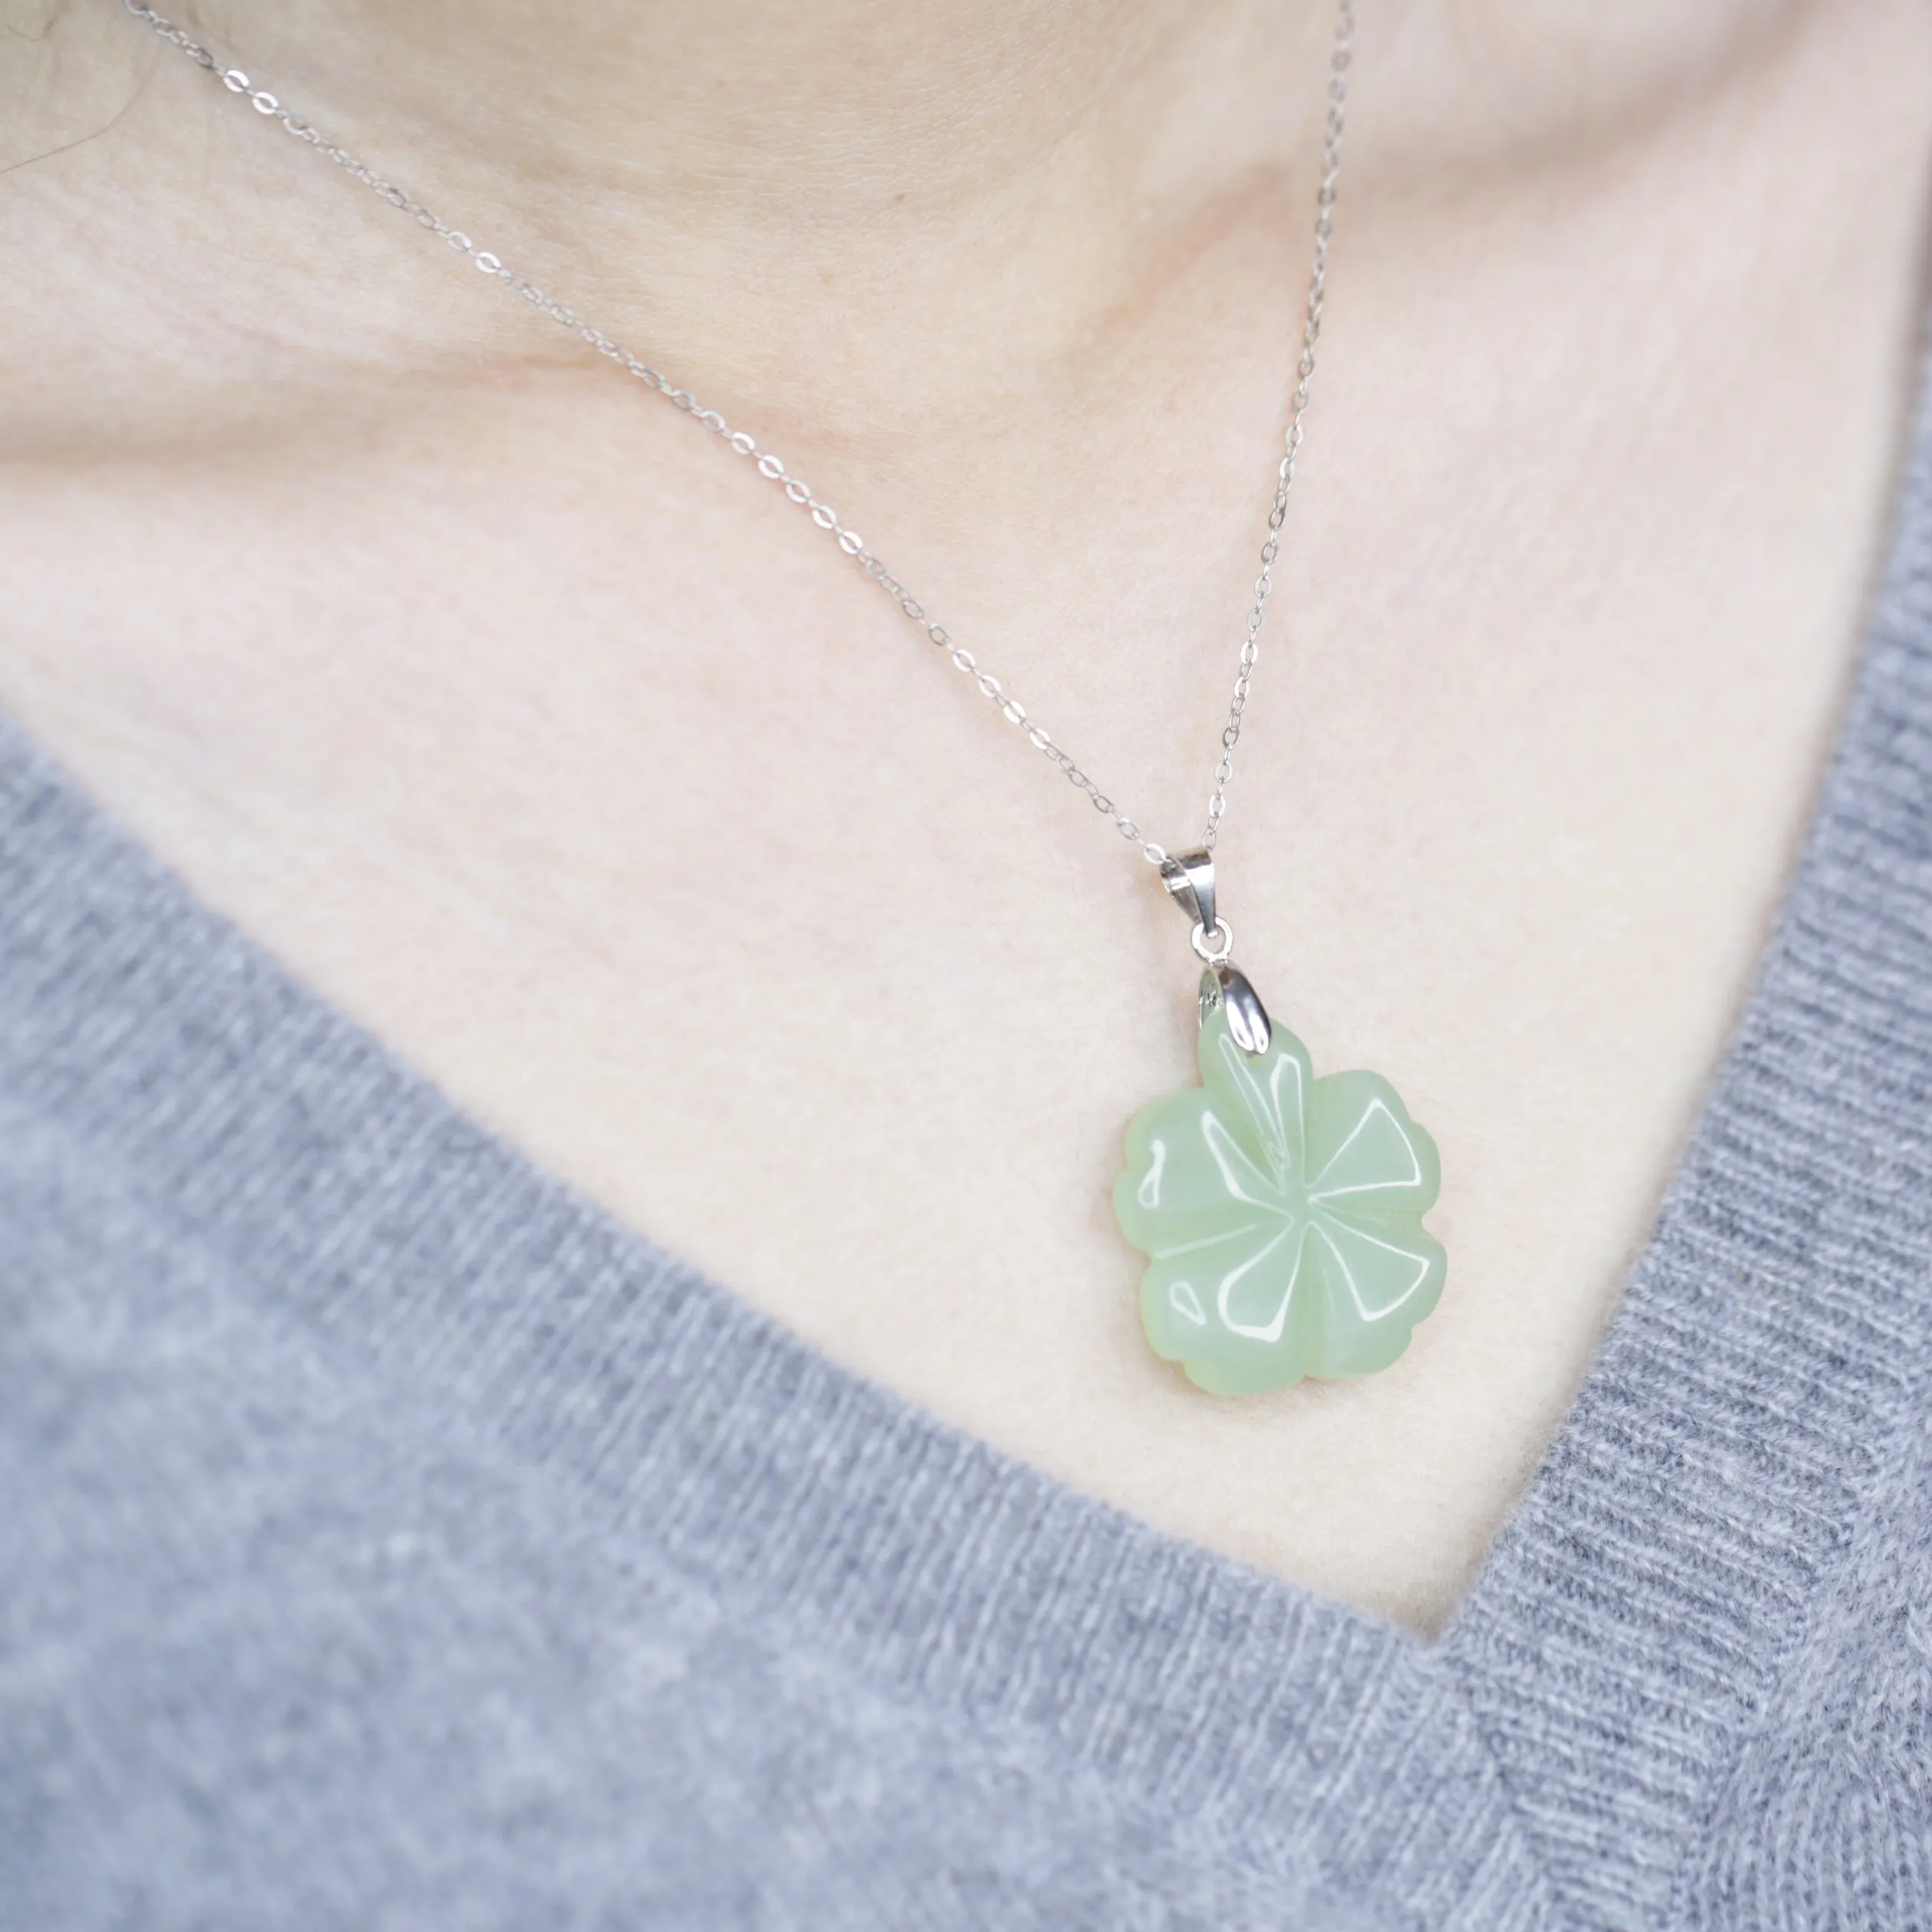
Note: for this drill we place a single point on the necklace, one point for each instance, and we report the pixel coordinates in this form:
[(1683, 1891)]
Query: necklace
[(1281, 1215)]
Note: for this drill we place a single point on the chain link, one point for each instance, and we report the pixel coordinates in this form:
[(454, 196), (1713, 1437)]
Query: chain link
[(773, 469), (1339, 57)]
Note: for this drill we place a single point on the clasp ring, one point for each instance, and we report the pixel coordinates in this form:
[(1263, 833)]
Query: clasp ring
[(1212, 945)]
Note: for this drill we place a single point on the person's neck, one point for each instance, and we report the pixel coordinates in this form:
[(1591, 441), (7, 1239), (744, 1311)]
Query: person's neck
[(767, 192)]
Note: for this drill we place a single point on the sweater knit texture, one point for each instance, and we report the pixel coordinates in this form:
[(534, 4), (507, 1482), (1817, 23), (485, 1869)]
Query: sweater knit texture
[(389, 1540)]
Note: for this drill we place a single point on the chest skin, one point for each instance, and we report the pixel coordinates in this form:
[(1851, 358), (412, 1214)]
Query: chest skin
[(536, 733)]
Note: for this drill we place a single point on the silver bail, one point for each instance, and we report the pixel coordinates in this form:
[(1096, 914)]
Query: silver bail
[(1189, 876), (1247, 1018)]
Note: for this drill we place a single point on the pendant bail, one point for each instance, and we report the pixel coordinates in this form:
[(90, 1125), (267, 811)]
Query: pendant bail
[(1189, 877), (1227, 987)]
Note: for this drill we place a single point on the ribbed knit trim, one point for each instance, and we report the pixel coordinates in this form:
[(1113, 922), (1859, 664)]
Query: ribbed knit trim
[(270, 1130), (1633, 1614)]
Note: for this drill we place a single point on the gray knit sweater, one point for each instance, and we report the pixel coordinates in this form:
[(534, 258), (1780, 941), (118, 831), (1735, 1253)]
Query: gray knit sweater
[(388, 1540)]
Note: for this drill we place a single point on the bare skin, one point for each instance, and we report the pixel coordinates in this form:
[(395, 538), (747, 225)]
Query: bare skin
[(441, 659)]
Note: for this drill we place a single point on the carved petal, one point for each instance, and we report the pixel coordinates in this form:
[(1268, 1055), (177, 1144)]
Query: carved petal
[(1265, 1102), (1372, 1286), (1189, 1177), (1244, 1289), (1367, 1160)]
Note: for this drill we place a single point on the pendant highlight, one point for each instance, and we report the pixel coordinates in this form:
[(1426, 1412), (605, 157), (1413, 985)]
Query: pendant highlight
[(1282, 1215)]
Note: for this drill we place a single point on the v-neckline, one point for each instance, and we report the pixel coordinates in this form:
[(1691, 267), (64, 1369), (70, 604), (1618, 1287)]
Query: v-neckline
[(1637, 1604), (1629, 1617)]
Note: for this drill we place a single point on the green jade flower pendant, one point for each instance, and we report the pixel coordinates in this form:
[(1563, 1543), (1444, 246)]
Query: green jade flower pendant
[(1281, 1215)]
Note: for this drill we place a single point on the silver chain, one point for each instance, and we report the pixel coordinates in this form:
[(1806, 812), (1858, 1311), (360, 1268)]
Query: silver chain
[(770, 467), (1311, 334)]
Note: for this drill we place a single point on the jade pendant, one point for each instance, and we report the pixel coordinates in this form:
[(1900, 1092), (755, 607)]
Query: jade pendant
[(1282, 1215)]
